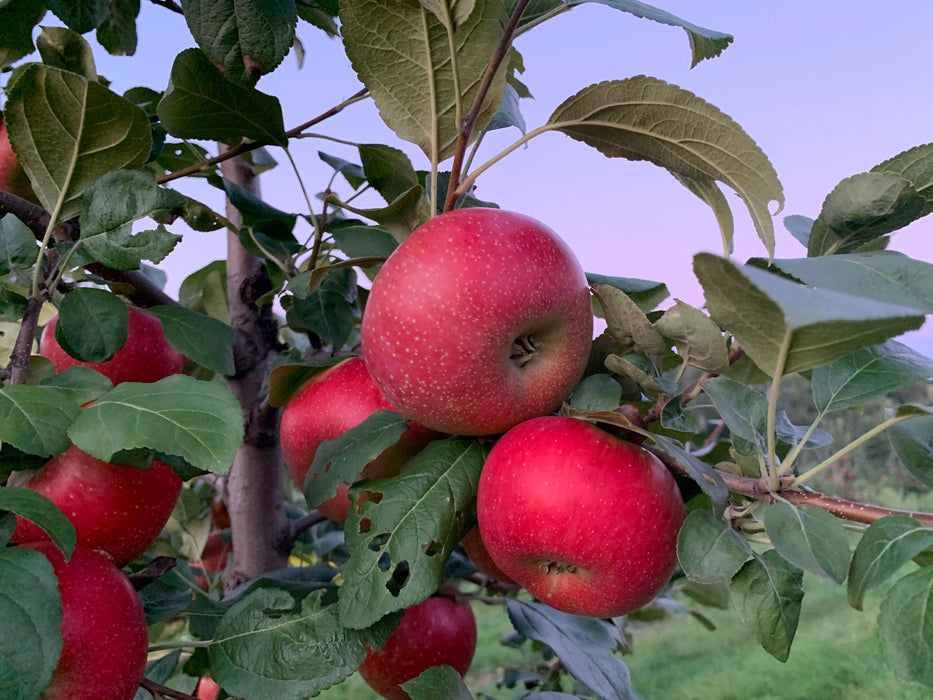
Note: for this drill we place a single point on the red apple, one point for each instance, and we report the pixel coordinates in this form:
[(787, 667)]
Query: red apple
[(472, 544), (115, 508), (436, 632), (13, 178), (586, 522), (146, 357), (207, 689), (214, 556), (337, 399), (479, 320), (103, 628)]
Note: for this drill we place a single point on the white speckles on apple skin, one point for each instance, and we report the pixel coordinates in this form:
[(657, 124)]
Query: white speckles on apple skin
[(447, 306)]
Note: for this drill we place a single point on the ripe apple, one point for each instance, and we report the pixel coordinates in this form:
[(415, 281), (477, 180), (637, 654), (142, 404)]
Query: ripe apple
[(207, 689), (103, 627), (472, 544), (13, 178), (436, 632), (479, 320), (214, 556), (337, 399), (585, 521), (117, 509), (146, 357)]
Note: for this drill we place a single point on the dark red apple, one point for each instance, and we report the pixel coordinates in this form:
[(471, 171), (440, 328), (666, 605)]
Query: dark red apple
[(13, 178), (337, 399), (479, 320), (436, 632), (472, 544), (117, 509), (586, 522), (146, 357), (103, 627)]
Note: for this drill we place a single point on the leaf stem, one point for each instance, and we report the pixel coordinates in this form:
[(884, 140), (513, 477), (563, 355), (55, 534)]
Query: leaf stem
[(788, 462), (773, 392), (877, 430), (469, 121), (464, 186)]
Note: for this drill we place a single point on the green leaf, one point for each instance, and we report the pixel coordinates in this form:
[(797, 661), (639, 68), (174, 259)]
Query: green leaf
[(205, 291), (627, 323), (68, 132), (205, 340), (364, 241), (509, 113), (867, 373), (388, 169), (743, 409), (351, 171), (342, 460), (68, 50), (18, 247), (644, 293), (644, 118), (704, 43), (584, 645), (438, 682), (18, 17), (402, 53), (117, 31), (705, 475), (287, 380), (760, 309), (321, 14), (709, 550), (598, 392), (329, 311), (647, 379), (199, 104), (80, 384), (12, 307), (92, 324), (865, 207), (905, 625), (698, 340), (179, 415), (916, 166), (80, 16), (35, 419), (269, 645), (398, 560), (884, 548), (913, 444), (882, 275), (246, 38), (30, 623), (706, 189), (767, 593), (809, 538), (402, 216), (799, 227), (39, 509)]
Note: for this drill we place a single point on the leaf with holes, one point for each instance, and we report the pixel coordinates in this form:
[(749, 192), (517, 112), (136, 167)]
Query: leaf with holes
[(644, 118), (401, 538)]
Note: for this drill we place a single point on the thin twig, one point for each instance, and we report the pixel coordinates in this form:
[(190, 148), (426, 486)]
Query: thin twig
[(469, 121), (159, 690), (169, 5), (243, 148), (304, 523), (18, 367)]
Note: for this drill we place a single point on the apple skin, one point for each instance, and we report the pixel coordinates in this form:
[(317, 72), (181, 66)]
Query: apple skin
[(339, 398), (103, 626), (214, 557), (207, 689), (443, 319), (438, 631), (584, 521), (146, 357), (13, 178), (475, 549), (116, 509)]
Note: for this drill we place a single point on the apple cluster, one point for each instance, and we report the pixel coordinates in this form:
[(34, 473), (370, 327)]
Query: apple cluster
[(117, 511), (480, 324)]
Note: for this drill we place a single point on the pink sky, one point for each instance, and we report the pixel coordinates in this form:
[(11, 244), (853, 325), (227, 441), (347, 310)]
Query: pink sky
[(826, 89)]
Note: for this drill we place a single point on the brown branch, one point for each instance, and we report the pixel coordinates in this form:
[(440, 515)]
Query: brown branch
[(159, 690), (155, 569), (243, 148), (469, 121), (17, 370), (304, 523)]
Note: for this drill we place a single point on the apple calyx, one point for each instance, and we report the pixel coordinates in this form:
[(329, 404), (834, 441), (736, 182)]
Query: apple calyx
[(524, 349)]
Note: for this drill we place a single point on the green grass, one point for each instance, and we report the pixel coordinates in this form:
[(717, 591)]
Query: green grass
[(836, 655)]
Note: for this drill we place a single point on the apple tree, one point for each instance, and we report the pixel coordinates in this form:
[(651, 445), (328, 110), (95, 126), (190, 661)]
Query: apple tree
[(286, 459)]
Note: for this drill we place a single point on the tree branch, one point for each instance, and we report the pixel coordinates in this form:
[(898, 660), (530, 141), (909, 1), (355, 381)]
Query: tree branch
[(469, 121), (17, 371), (159, 690)]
